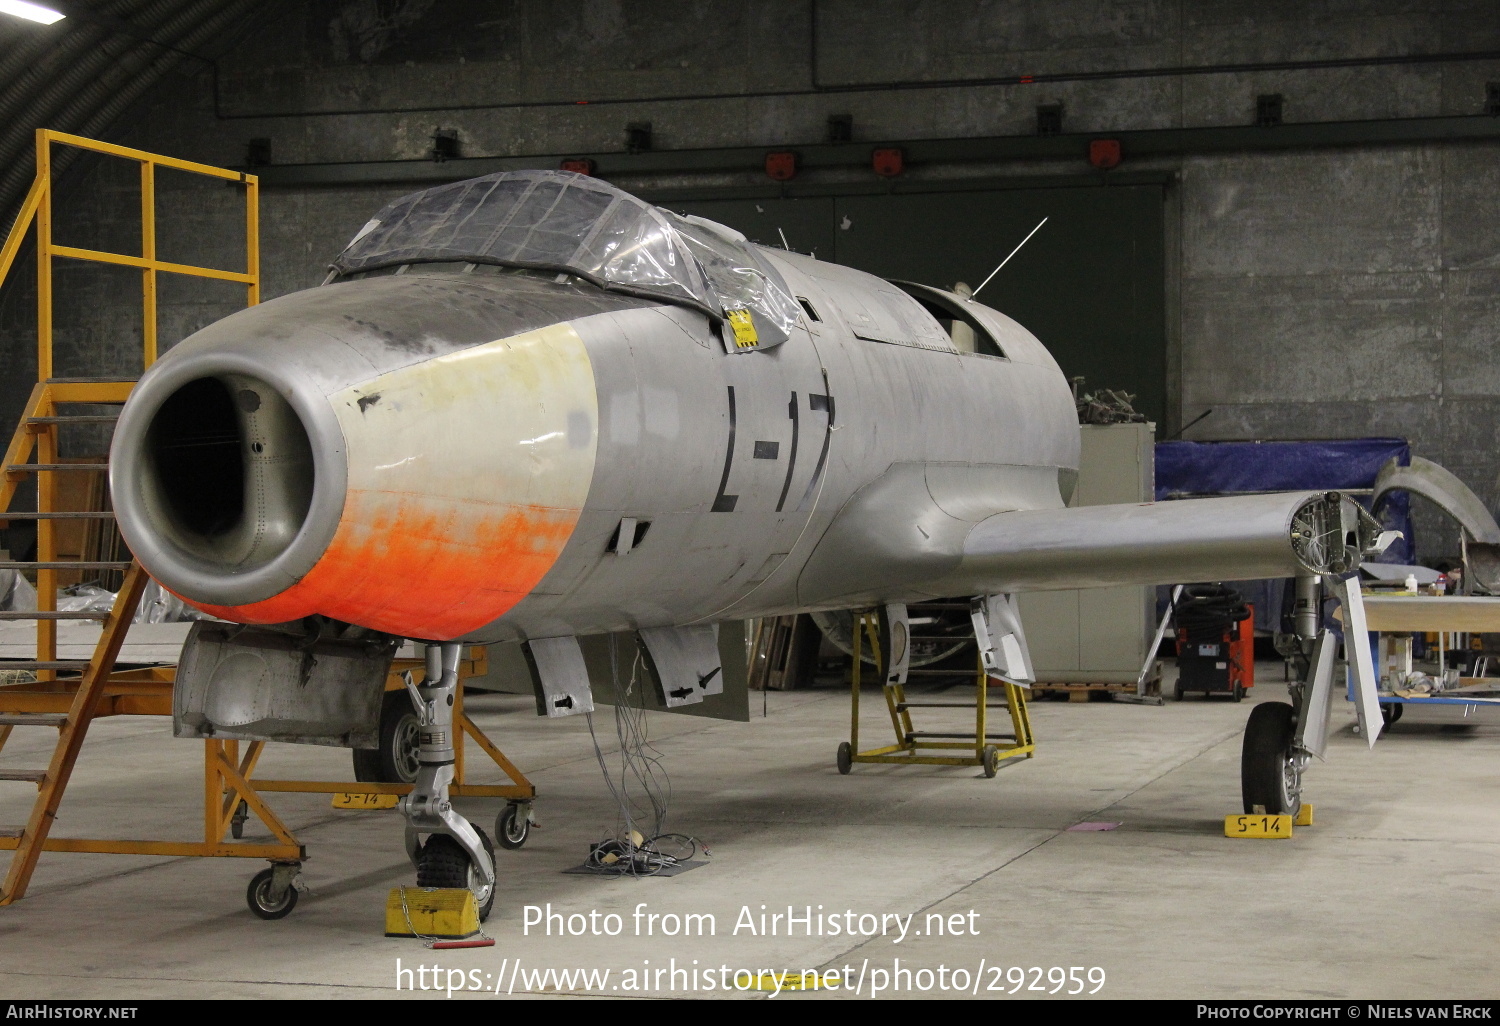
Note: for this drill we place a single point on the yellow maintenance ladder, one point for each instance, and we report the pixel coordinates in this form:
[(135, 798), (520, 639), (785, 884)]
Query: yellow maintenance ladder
[(977, 748), (67, 695)]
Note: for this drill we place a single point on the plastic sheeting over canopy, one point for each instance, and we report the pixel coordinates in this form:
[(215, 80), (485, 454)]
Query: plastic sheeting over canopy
[(558, 220)]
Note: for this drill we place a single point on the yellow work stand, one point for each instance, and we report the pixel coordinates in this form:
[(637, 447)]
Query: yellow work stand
[(986, 749)]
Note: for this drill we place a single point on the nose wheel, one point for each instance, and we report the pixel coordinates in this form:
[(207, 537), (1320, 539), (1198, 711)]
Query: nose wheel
[(442, 862)]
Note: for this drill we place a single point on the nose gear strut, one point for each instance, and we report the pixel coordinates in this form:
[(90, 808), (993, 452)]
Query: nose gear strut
[(428, 809)]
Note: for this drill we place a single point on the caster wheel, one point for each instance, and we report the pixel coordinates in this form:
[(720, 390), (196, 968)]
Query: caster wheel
[(1270, 774), (845, 758), (1177, 693), (258, 897), (513, 825), (442, 862), (1390, 712), (237, 822), (1239, 692), (395, 761), (991, 761)]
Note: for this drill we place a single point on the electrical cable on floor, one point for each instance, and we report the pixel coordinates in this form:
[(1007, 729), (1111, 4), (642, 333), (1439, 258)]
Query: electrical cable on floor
[(631, 851)]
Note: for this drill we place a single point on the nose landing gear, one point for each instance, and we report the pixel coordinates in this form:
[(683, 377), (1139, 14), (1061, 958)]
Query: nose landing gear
[(456, 853)]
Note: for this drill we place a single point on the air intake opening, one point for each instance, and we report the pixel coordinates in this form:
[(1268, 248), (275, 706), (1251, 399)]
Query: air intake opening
[(196, 446), (230, 471)]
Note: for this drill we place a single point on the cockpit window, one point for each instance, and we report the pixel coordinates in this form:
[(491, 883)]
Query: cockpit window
[(560, 221)]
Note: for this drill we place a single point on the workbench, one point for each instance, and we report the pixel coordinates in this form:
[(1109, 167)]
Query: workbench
[(1445, 614)]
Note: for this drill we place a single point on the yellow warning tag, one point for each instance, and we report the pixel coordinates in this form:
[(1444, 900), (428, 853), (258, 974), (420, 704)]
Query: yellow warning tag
[(1258, 826), (744, 329), (356, 800)]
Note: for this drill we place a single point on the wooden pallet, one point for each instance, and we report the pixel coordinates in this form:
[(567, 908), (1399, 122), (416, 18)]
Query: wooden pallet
[(1084, 691)]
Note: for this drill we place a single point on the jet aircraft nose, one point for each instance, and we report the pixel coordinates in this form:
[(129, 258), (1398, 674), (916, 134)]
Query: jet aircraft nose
[(388, 452)]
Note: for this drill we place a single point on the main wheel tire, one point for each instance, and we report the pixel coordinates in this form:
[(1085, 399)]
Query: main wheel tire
[(513, 825), (1268, 773), (258, 897), (442, 862), (845, 758), (395, 761), (991, 760)]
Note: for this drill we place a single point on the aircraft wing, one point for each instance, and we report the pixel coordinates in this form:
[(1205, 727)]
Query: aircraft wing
[(1242, 537), (915, 543)]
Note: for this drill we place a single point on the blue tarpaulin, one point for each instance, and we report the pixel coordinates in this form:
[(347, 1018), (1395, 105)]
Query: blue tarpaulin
[(1185, 469), (1235, 468)]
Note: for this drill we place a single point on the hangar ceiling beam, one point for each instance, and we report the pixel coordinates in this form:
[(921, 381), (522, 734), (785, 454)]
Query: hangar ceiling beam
[(1133, 144)]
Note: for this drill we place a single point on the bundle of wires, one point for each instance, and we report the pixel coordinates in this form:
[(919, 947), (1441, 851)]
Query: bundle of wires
[(642, 791), (1205, 612)]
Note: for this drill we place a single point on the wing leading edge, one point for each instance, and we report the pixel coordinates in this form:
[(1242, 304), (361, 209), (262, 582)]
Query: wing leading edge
[(1243, 537)]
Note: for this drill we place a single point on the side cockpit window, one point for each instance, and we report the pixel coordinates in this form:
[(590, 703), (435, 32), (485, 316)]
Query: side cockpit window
[(968, 335)]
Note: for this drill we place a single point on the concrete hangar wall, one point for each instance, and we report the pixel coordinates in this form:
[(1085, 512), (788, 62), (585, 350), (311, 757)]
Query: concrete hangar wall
[(1318, 291)]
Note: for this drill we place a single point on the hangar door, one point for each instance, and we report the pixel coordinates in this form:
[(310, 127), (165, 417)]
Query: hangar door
[(1090, 284)]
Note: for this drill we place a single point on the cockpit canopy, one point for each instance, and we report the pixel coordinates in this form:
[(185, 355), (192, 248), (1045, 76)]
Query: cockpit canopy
[(558, 220)]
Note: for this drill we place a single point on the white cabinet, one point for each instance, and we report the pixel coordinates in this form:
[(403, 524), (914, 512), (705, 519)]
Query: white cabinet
[(1100, 635)]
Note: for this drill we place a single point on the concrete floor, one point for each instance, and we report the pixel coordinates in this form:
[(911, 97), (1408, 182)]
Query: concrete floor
[(1393, 894)]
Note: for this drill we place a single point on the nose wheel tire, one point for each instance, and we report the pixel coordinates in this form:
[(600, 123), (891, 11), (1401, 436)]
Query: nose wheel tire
[(442, 862), (395, 761), (1270, 772), (258, 897), (513, 825)]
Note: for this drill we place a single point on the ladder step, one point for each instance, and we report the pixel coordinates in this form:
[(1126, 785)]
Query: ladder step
[(49, 614), (90, 418), (961, 737), (43, 664), (903, 706), (10, 831), (61, 515), (92, 381), (68, 565), (33, 719), (28, 468), (24, 776)]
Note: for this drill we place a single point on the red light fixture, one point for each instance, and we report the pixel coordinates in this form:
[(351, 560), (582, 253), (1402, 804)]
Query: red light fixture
[(1104, 153), (578, 165), (888, 163), (781, 166)]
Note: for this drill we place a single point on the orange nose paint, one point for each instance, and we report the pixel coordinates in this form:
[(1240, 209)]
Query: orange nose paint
[(421, 572)]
